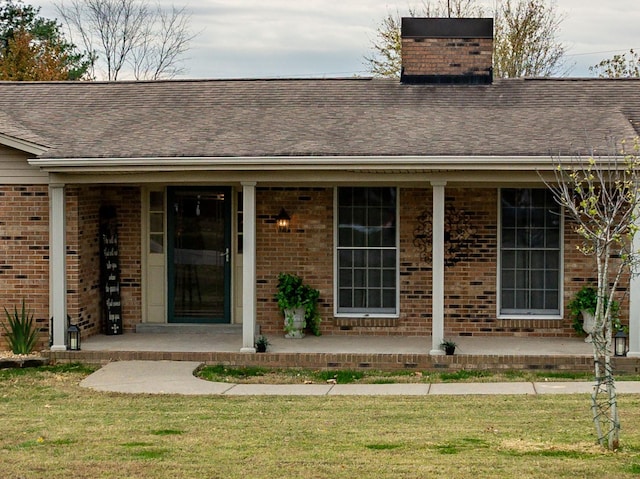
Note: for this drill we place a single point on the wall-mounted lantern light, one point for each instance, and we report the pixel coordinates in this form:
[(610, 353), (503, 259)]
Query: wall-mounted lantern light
[(283, 221)]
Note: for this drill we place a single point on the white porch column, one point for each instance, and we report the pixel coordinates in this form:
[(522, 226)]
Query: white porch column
[(248, 267), (57, 266), (437, 287), (634, 307)]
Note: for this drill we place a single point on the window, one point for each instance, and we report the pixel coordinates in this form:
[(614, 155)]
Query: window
[(156, 222), (529, 252), (240, 222), (367, 251)]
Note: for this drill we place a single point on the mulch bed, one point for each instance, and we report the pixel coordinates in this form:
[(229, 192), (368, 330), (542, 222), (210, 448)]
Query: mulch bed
[(9, 360)]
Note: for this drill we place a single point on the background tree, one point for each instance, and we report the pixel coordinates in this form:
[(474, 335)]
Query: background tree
[(34, 48), (27, 60), (525, 41), (601, 196), (619, 66), (386, 60), (129, 33)]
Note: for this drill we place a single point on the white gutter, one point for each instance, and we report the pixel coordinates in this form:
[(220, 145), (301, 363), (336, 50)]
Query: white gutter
[(369, 163)]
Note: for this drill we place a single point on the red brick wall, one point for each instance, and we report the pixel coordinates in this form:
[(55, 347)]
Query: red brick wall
[(415, 274), (24, 253), (307, 250), (88, 247), (470, 283), (83, 262), (83, 254), (127, 201), (446, 56)]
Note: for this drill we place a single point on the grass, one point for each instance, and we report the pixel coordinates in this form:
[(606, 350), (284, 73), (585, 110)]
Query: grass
[(52, 428), (254, 375)]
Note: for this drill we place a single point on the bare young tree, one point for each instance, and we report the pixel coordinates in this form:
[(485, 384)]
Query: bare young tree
[(619, 66), (602, 196), (526, 37), (526, 43), (156, 59), (451, 8), (386, 60), (129, 33)]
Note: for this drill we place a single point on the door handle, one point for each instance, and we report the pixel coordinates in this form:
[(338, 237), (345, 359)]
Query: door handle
[(226, 255)]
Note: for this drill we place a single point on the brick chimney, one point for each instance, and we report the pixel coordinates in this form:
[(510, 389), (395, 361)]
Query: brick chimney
[(447, 50)]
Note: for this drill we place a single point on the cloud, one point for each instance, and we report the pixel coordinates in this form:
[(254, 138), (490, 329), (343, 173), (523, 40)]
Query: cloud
[(247, 38)]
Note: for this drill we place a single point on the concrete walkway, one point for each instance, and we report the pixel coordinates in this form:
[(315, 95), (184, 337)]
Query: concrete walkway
[(176, 377)]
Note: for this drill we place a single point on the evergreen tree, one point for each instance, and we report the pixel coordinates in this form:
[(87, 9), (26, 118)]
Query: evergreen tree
[(34, 48)]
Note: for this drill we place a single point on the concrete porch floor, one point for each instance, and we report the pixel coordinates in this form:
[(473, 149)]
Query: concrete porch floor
[(210, 341)]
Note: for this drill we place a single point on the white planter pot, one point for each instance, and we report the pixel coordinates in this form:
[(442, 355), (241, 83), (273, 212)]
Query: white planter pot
[(588, 323), (297, 315)]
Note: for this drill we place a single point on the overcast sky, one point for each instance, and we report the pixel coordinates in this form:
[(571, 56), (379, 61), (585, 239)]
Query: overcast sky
[(318, 38)]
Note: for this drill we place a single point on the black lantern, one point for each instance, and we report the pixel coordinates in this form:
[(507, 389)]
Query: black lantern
[(73, 338), (620, 344), (282, 221)]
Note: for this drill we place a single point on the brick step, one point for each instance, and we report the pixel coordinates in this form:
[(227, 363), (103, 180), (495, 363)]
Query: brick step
[(387, 362)]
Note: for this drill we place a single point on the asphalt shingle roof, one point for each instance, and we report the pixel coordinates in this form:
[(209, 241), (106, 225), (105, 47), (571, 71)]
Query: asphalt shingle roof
[(323, 117)]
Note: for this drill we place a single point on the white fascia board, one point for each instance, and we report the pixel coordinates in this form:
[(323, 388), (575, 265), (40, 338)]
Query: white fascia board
[(22, 145), (451, 163)]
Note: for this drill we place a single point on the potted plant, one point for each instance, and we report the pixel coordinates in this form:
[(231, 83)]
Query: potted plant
[(262, 343), (583, 310), (449, 347), (299, 304)]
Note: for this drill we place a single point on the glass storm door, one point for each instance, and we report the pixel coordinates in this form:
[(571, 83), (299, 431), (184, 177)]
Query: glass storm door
[(199, 257)]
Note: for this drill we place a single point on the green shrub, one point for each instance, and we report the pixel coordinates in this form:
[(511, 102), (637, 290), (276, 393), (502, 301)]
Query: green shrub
[(586, 300), (20, 330), (292, 294)]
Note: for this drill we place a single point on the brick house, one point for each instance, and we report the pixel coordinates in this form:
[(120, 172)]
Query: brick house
[(404, 197)]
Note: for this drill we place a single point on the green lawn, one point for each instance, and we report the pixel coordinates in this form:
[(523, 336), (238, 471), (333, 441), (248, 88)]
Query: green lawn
[(258, 375), (51, 428)]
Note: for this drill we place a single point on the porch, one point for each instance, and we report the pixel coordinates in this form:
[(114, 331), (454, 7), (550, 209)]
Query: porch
[(221, 345)]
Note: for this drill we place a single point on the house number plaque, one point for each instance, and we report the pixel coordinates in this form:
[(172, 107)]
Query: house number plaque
[(110, 271)]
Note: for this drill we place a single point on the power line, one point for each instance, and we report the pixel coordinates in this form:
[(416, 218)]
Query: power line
[(597, 53)]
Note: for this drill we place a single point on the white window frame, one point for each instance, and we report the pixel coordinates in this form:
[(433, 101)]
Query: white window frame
[(364, 314), (551, 316)]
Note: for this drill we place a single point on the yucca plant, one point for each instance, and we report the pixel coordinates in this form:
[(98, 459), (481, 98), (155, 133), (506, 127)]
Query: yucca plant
[(20, 332)]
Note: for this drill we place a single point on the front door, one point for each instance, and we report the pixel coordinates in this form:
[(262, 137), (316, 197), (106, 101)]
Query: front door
[(199, 255)]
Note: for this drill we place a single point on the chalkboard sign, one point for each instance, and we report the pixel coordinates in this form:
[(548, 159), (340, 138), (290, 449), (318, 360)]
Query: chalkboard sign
[(110, 271)]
